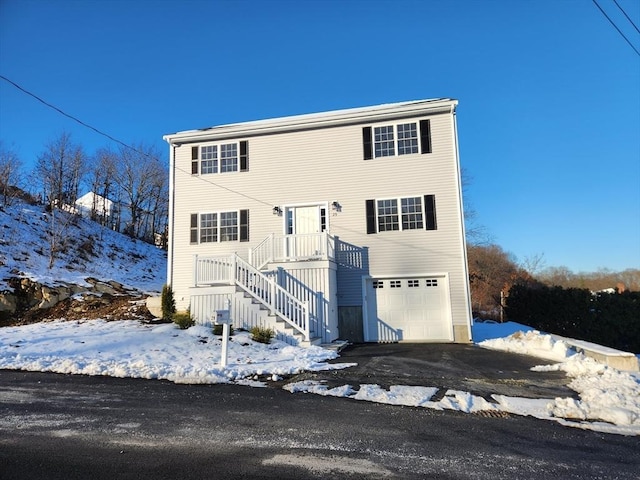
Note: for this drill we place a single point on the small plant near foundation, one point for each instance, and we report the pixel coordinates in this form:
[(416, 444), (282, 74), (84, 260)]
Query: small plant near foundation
[(168, 303), (183, 320), (262, 334)]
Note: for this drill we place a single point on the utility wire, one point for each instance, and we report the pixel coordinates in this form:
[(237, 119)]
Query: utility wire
[(224, 188), (616, 27), (625, 14), (72, 117), (121, 142)]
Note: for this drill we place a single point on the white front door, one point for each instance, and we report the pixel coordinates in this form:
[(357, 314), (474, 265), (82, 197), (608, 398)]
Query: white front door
[(305, 220), (303, 224)]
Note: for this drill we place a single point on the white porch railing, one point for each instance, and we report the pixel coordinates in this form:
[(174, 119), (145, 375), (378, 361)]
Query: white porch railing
[(232, 270), (284, 248)]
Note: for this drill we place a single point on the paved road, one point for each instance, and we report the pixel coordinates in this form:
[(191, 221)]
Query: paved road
[(78, 427)]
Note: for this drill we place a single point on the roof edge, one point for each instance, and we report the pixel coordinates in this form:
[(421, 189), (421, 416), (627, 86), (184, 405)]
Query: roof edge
[(316, 120)]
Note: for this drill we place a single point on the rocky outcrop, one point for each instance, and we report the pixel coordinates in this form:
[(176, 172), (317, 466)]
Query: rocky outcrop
[(28, 296)]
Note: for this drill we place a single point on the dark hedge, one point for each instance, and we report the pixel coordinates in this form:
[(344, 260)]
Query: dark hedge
[(610, 319)]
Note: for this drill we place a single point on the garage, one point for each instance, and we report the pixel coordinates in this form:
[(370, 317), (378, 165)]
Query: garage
[(409, 309)]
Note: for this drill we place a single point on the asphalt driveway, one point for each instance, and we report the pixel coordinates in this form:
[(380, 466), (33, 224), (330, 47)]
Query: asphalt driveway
[(463, 367)]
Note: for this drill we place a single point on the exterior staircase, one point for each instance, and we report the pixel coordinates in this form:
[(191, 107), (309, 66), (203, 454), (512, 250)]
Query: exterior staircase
[(255, 296)]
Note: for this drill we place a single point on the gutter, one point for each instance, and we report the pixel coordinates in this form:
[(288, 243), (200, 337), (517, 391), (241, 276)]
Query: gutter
[(172, 206)]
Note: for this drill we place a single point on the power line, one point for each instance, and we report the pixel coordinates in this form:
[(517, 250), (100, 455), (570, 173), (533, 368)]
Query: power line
[(616, 27), (224, 188), (625, 14), (121, 142), (71, 116)]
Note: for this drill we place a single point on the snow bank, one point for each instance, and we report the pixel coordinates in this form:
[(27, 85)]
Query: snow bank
[(131, 349)]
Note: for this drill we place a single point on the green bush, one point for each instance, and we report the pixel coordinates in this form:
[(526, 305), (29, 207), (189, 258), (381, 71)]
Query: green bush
[(168, 303), (183, 320), (217, 329), (262, 334)]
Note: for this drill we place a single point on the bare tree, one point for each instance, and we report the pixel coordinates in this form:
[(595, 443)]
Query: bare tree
[(476, 234), (102, 184), (61, 168), (57, 232), (533, 263), (138, 175), (10, 173), (160, 206)]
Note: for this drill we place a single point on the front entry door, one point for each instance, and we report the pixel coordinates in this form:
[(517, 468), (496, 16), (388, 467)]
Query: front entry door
[(305, 220), (303, 224)]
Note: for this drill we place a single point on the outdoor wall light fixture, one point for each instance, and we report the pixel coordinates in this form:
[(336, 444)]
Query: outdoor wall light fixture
[(335, 205), (277, 210)]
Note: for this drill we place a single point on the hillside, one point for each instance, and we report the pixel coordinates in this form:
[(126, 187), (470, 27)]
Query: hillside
[(94, 268)]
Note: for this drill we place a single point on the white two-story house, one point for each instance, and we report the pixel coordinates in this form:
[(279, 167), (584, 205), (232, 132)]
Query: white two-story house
[(338, 225)]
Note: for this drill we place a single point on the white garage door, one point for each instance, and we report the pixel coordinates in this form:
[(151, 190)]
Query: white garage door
[(408, 309)]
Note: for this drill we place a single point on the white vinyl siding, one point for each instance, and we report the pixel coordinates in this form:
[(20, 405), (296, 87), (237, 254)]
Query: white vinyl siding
[(325, 164)]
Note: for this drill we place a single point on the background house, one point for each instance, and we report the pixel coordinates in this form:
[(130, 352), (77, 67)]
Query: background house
[(344, 224), (117, 216)]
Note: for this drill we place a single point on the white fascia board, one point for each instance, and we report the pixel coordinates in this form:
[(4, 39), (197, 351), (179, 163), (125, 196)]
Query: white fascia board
[(373, 114)]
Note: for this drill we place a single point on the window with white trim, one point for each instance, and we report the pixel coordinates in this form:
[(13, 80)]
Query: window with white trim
[(229, 157), (388, 215), (219, 227), (411, 208), (208, 227), (403, 213), (383, 141), (407, 138), (219, 158), (209, 159), (410, 213), (399, 139), (388, 139), (228, 226)]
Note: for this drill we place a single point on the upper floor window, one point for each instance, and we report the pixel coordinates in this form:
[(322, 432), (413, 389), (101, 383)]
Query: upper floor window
[(220, 158), (229, 157), (399, 139), (384, 141), (407, 138), (406, 213), (209, 159)]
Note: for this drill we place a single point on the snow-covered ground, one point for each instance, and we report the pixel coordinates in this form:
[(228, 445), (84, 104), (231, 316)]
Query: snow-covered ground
[(609, 399), (86, 250)]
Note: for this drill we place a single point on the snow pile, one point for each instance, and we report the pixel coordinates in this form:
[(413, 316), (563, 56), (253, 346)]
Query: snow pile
[(131, 349), (531, 343), (605, 393), (86, 250)]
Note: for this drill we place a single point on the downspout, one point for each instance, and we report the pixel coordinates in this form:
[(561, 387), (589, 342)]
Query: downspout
[(172, 186), (464, 233)]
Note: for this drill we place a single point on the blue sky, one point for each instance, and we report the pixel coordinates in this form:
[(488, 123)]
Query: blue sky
[(549, 114)]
